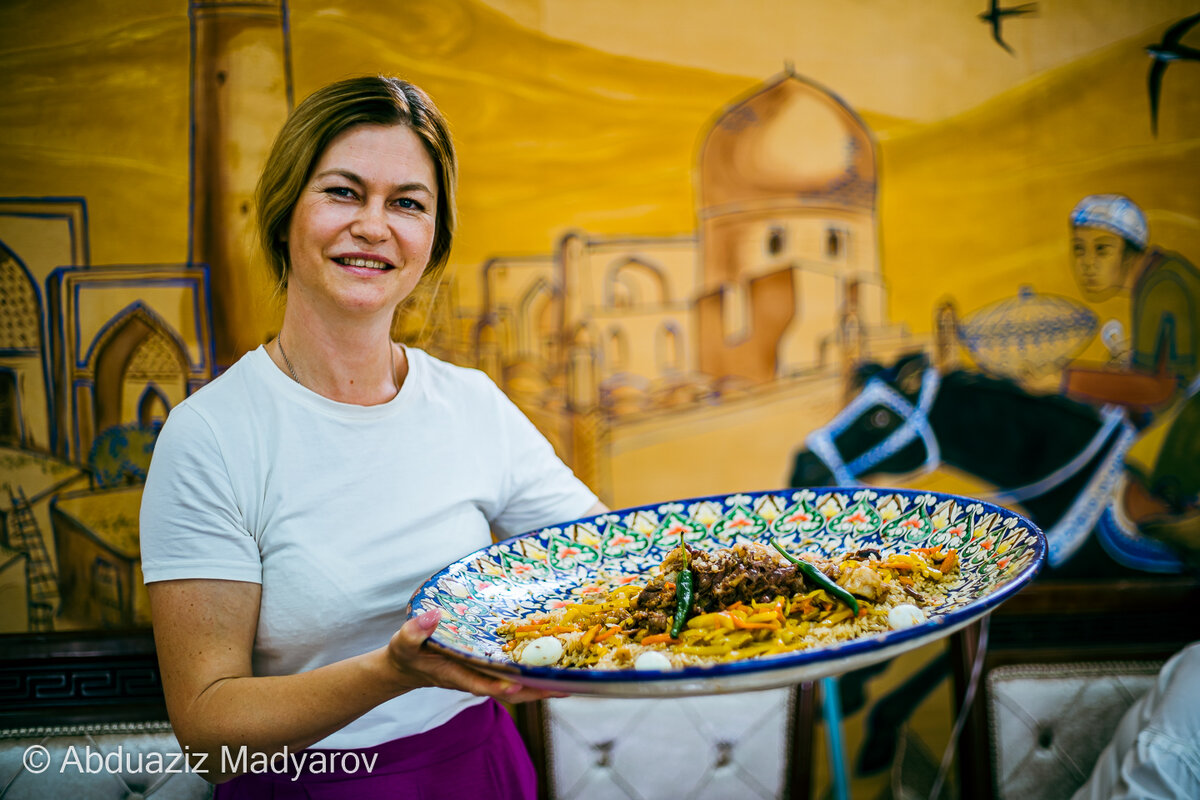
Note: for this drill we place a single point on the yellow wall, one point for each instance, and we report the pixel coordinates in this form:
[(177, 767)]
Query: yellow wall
[(586, 115), (982, 153)]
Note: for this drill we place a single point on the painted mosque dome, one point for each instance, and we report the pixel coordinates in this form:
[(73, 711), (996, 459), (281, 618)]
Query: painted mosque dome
[(792, 143)]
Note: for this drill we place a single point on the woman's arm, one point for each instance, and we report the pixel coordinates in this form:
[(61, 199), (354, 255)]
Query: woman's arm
[(204, 631)]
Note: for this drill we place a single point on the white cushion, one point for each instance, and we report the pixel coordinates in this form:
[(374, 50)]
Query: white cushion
[(97, 762), (1049, 722), (710, 748)]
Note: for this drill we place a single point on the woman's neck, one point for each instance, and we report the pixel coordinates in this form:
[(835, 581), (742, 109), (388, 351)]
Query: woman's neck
[(356, 364)]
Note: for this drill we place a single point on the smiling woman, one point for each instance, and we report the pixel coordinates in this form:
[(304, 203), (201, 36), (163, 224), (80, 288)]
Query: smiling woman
[(356, 207), (296, 503), (362, 230)]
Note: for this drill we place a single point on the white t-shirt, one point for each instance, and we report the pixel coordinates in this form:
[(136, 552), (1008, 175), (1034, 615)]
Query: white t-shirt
[(341, 511)]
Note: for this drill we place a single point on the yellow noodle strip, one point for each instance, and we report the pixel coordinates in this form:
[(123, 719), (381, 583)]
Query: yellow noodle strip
[(714, 620)]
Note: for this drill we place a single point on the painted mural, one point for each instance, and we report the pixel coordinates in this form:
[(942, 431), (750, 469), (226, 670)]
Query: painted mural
[(950, 248)]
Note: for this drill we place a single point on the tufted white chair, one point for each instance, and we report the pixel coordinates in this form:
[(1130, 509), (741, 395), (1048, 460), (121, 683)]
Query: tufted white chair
[(1049, 722), (67, 775), (709, 748)]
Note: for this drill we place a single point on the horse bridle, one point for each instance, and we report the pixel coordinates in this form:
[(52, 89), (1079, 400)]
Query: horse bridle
[(916, 424), (1067, 534), (879, 393)]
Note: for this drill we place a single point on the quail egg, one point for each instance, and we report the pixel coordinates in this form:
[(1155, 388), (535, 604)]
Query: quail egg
[(542, 652), (904, 616), (652, 659)]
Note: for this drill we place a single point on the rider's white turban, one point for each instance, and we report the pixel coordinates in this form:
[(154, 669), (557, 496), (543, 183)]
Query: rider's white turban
[(1112, 212)]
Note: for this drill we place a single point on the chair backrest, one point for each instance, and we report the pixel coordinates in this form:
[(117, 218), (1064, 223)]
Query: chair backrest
[(732, 745), (1049, 722), (101, 761)]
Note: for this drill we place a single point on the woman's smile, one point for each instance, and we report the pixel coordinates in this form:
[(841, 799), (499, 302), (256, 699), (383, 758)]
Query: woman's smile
[(363, 262)]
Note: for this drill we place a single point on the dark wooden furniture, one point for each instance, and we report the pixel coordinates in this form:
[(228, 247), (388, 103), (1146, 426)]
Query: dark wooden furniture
[(79, 677)]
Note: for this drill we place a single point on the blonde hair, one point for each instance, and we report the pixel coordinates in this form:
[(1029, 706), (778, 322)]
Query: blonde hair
[(323, 115)]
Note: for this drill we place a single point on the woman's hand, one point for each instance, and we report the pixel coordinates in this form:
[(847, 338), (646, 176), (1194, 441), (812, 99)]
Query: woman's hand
[(418, 666)]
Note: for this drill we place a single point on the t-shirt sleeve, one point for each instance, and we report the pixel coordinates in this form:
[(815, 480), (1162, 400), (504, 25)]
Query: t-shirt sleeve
[(191, 522), (540, 489)]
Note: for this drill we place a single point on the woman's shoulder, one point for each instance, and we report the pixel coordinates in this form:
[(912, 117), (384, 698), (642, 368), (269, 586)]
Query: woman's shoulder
[(439, 371), (231, 390)]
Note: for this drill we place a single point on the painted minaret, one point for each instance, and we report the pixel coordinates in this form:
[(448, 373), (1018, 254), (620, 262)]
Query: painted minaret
[(241, 94)]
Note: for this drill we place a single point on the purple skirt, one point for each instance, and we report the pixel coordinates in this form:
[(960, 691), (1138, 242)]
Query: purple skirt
[(477, 754)]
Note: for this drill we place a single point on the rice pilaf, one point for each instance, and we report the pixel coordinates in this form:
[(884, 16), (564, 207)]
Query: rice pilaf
[(746, 602)]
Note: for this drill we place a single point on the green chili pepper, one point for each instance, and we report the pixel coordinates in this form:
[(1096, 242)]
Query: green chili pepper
[(819, 578), (683, 595)]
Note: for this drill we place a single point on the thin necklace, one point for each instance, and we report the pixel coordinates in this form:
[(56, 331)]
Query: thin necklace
[(286, 360), (292, 370)]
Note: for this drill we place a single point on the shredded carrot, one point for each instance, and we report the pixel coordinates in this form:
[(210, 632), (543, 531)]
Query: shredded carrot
[(659, 638), (612, 631), (772, 625), (591, 634)]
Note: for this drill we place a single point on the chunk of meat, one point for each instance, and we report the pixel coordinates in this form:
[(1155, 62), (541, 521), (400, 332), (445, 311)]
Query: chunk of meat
[(863, 582)]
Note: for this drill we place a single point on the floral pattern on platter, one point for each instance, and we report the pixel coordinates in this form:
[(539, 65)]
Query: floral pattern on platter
[(545, 569)]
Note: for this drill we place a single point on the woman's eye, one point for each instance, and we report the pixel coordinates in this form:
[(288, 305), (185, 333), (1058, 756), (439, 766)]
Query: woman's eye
[(340, 191), (409, 203)]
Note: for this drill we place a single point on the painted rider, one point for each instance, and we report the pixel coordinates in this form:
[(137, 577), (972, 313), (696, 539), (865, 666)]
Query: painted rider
[(1110, 255)]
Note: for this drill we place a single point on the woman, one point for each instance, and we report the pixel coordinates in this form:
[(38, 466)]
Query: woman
[(296, 502)]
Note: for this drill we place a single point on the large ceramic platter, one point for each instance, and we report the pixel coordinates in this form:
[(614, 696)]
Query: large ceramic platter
[(999, 552)]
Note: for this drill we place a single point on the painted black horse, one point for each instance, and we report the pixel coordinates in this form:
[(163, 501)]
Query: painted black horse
[(1044, 452), (1041, 451)]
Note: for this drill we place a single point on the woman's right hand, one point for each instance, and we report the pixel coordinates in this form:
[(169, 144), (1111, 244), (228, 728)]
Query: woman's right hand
[(418, 666)]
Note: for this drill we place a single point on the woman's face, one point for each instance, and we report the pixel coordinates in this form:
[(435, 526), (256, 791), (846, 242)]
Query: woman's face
[(1100, 262), (361, 232)]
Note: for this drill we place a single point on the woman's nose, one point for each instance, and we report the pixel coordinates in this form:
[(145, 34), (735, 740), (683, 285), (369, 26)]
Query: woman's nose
[(370, 224)]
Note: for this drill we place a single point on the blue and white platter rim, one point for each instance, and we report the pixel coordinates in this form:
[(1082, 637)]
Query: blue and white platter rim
[(760, 673)]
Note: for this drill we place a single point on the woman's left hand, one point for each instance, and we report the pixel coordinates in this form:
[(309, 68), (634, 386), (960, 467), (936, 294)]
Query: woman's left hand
[(418, 666)]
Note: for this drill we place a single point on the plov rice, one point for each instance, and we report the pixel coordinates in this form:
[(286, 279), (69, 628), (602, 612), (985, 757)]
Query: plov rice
[(742, 602)]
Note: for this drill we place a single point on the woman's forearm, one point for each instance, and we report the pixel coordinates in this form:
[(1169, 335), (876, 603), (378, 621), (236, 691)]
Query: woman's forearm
[(267, 715), (204, 632)]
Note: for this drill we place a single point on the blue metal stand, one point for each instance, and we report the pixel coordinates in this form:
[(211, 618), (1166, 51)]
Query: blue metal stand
[(831, 710)]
